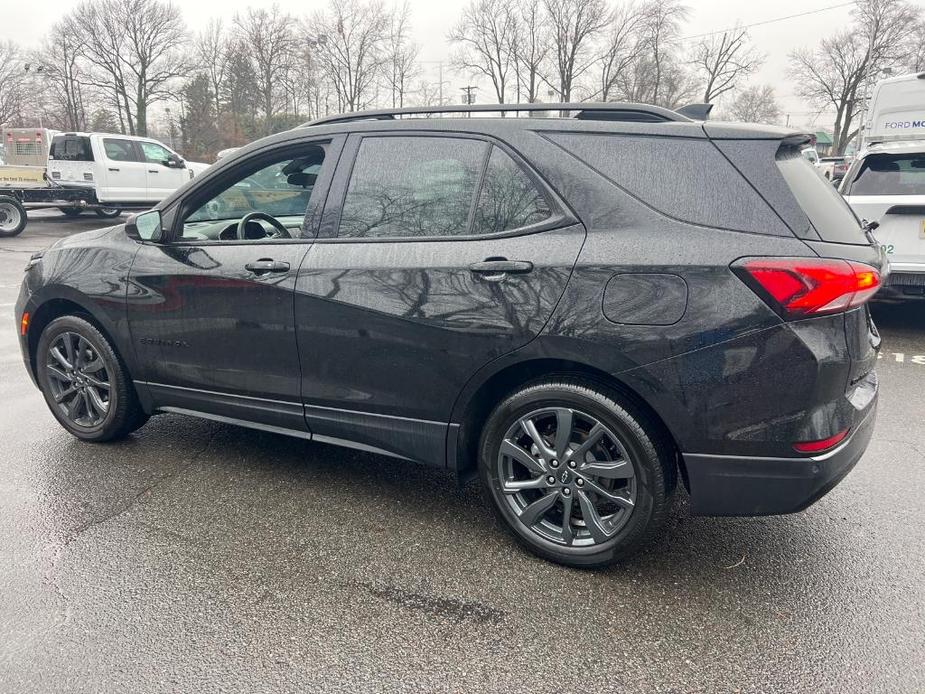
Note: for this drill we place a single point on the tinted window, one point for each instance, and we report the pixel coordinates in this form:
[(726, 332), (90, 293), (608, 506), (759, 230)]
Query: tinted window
[(825, 207), (281, 188), (119, 150), (70, 148), (890, 174), (412, 187), (508, 198), (685, 178), (154, 153)]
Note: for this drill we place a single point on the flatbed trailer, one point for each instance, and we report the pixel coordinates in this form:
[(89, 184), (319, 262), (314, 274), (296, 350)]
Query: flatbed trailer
[(16, 201)]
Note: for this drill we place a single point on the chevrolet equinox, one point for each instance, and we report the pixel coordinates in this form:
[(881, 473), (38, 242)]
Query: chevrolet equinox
[(581, 308)]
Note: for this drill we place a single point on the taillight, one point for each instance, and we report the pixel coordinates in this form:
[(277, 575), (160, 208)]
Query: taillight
[(803, 287)]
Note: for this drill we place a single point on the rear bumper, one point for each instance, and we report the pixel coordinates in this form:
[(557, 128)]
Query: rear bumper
[(906, 281), (728, 485)]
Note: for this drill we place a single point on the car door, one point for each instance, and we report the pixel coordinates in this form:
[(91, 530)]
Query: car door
[(437, 255), (123, 172), (211, 308), (162, 179)]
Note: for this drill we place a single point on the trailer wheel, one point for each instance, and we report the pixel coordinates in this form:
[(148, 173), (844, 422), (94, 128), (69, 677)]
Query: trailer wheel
[(108, 212), (71, 211), (12, 216)]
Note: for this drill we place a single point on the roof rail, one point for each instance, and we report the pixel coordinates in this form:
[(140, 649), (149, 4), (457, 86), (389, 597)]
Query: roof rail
[(583, 111)]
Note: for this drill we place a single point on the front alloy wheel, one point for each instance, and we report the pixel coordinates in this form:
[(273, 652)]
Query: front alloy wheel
[(78, 379)]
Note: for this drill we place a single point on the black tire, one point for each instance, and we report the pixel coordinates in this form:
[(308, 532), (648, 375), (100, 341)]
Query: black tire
[(71, 211), (123, 413), (632, 439), (13, 216), (108, 212)]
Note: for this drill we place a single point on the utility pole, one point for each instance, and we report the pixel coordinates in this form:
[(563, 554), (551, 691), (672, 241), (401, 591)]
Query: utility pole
[(469, 97)]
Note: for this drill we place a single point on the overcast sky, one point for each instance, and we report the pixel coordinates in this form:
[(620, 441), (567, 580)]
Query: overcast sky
[(26, 21)]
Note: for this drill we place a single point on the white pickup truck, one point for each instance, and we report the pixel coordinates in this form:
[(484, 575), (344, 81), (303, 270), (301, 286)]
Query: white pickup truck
[(122, 169), (103, 172)]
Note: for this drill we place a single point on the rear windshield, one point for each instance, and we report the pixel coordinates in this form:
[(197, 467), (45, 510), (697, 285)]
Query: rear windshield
[(826, 208), (890, 174), (70, 148)]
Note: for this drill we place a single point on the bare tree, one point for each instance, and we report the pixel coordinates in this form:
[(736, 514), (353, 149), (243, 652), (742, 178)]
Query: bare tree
[(353, 52), (269, 38), (402, 53), (722, 60), (663, 30), (756, 104), (484, 35), (135, 50), (622, 47), (838, 72), (61, 70), (12, 75), (575, 24), (529, 49), (212, 56)]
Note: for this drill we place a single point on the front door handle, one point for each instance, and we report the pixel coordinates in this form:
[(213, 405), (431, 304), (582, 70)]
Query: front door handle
[(152, 170), (497, 268), (266, 265)]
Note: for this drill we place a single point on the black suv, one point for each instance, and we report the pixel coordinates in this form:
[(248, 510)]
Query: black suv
[(580, 308)]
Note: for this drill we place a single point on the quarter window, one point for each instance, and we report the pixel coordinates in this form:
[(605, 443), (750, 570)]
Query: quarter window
[(508, 199), (407, 187), (119, 150)]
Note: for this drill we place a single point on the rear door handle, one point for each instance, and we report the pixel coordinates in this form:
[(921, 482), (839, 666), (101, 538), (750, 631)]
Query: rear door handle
[(265, 266), (501, 266)]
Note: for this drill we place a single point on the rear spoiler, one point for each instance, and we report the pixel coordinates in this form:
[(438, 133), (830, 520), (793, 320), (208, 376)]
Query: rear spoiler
[(696, 111)]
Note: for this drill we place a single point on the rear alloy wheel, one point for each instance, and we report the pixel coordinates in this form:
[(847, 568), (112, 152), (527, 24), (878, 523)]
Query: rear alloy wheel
[(108, 212), (577, 477), (84, 382), (12, 216)]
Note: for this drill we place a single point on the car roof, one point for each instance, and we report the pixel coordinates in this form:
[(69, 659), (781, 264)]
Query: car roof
[(895, 147)]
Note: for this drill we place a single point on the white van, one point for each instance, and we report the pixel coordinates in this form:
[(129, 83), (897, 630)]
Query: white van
[(896, 110), (122, 168), (886, 182)]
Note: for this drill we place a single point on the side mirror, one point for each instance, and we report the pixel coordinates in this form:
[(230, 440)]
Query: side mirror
[(145, 226), (174, 162)]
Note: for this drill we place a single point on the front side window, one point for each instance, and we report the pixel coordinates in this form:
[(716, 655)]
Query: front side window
[(280, 189), (408, 187), (155, 153), (508, 199), (890, 174), (119, 150)]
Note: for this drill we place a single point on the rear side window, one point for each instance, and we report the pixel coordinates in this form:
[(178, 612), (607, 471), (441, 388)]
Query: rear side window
[(406, 187), (120, 150), (684, 178), (70, 148), (827, 210), (890, 174), (508, 199)]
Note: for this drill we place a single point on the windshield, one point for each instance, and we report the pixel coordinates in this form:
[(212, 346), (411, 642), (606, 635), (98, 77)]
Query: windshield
[(890, 174)]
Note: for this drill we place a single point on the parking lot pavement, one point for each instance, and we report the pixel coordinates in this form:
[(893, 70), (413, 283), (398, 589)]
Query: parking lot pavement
[(201, 557)]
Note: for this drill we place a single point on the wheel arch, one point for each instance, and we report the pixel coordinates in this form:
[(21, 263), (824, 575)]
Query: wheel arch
[(477, 402), (68, 303)]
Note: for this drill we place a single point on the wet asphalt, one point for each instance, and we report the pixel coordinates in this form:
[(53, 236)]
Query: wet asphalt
[(200, 557)]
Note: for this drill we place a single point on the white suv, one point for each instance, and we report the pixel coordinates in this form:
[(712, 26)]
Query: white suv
[(122, 169), (886, 184)]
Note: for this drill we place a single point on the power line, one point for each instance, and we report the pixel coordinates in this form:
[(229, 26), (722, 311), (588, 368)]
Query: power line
[(769, 21)]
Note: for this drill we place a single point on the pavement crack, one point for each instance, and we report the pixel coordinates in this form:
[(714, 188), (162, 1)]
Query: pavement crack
[(458, 610)]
